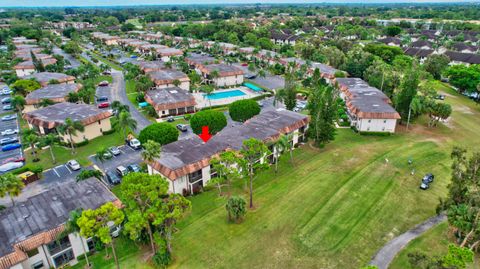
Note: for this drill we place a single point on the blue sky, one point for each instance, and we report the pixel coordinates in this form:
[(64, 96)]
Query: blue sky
[(36, 3)]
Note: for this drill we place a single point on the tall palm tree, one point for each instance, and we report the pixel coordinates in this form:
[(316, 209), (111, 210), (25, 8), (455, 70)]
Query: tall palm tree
[(50, 140), (71, 227), (124, 122), (214, 75), (284, 143), (11, 185), (208, 90), (31, 137), (152, 151), (119, 107), (70, 128)]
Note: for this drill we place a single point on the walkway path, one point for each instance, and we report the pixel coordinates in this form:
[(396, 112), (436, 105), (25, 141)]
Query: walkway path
[(119, 93), (387, 253)]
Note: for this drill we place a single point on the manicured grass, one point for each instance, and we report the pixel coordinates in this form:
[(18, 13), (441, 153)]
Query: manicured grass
[(63, 154), (128, 253), (132, 97), (334, 207), (135, 22), (433, 242)]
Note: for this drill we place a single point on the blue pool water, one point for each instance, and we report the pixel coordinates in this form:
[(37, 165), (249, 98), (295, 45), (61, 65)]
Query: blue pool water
[(252, 87), (225, 94)]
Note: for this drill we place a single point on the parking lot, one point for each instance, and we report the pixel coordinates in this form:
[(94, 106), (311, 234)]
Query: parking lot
[(15, 153), (126, 157)]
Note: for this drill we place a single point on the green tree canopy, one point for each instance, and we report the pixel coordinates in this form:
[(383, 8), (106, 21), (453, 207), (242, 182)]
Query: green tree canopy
[(243, 110), (215, 120), (161, 132)]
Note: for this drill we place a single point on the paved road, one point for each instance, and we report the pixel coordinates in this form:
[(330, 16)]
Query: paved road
[(387, 253), (119, 93), (73, 62)]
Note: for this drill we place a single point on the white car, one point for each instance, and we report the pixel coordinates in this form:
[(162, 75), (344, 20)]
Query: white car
[(10, 132), (134, 143), (10, 166), (74, 165)]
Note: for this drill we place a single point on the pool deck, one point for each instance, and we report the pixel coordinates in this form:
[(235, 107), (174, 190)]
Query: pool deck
[(203, 102)]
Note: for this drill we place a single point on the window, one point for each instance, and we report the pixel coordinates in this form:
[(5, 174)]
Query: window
[(32, 252), (195, 176), (369, 121), (385, 121), (63, 258), (38, 265), (58, 245), (99, 122)]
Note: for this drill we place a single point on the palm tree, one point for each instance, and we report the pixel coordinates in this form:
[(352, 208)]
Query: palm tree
[(31, 137), (46, 102), (152, 151), (73, 97), (50, 140), (214, 75), (18, 102), (262, 73), (278, 97), (284, 143), (70, 128), (11, 185), (71, 227), (101, 156), (208, 90), (119, 107), (124, 122)]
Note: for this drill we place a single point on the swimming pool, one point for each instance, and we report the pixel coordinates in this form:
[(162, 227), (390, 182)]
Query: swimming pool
[(224, 94), (252, 87)]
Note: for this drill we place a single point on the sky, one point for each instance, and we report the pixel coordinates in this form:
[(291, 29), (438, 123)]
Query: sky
[(61, 3)]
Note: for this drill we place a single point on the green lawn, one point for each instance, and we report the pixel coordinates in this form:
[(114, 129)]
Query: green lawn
[(135, 22), (132, 97), (433, 242), (334, 207), (128, 254), (63, 154), (106, 61)]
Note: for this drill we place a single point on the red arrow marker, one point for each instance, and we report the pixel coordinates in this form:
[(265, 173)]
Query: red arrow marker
[(205, 136)]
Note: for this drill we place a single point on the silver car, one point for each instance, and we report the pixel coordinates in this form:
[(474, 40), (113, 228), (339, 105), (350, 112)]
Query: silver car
[(74, 165)]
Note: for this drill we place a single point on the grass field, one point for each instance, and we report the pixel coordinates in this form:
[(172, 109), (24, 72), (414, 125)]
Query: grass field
[(63, 154), (334, 207)]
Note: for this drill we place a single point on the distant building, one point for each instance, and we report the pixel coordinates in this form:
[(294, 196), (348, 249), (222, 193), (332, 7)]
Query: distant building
[(168, 78), (27, 68), (391, 41), (227, 75), (44, 78), (171, 101), (56, 93), (368, 108), (46, 120), (29, 230), (462, 58)]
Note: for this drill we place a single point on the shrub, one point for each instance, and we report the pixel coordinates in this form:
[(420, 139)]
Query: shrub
[(243, 110), (162, 258), (162, 133), (111, 131), (215, 120), (236, 209)]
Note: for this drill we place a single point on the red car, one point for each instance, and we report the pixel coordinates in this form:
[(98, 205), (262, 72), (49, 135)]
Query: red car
[(244, 64), (104, 105), (16, 160)]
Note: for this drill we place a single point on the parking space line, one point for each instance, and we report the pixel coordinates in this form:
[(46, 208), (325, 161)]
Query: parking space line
[(58, 175), (68, 169)]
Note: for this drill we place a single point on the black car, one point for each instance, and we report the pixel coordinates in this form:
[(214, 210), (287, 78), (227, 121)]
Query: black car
[(112, 178), (102, 99), (426, 180)]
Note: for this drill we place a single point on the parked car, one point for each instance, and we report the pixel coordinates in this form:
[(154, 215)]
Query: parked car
[(134, 168), (8, 140), (121, 170), (107, 155), (114, 150), (250, 76), (11, 147), (14, 160), (182, 127), (5, 91), (74, 165), (170, 119), (103, 83), (426, 180), (6, 100), (10, 166), (102, 99), (134, 143), (10, 132), (114, 230), (104, 105), (7, 107), (440, 97), (106, 73), (112, 178), (9, 117)]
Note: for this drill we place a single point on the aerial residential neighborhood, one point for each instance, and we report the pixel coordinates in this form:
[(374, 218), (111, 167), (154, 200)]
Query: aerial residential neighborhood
[(298, 134)]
